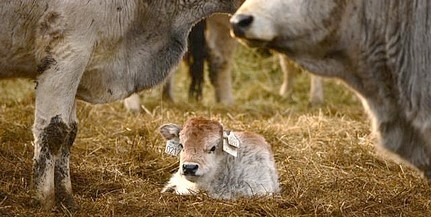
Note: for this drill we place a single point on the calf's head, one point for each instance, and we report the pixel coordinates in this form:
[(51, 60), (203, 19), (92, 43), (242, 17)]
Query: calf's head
[(287, 25), (202, 147)]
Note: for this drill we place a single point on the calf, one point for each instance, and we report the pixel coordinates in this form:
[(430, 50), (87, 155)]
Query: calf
[(221, 163)]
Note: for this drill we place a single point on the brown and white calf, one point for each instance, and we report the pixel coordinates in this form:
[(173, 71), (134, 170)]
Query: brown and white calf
[(221, 163)]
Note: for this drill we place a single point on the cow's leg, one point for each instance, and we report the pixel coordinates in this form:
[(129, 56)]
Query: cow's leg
[(426, 134), (62, 182), (54, 131), (196, 60), (133, 103), (316, 90), (401, 138), (221, 48), (289, 74), (167, 94), (61, 65), (290, 71)]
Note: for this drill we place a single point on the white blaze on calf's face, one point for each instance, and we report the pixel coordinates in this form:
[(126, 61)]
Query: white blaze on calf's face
[(202, 146)]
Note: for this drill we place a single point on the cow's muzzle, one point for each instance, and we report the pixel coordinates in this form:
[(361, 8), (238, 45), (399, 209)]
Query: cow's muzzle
[(240, 23)]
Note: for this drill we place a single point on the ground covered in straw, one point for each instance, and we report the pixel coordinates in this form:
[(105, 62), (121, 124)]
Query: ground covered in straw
[(326, 158)]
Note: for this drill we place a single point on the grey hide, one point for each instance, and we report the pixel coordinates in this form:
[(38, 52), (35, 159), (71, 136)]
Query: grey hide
[(380, 48), (95, 50)]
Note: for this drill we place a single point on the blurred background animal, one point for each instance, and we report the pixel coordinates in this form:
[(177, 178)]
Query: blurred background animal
[(210, 41)]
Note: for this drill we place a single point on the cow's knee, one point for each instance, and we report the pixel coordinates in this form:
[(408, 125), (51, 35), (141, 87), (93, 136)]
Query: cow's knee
[(55, 134)]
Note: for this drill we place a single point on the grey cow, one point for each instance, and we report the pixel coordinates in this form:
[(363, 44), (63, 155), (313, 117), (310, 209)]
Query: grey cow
[(380, 48), (97, 51)]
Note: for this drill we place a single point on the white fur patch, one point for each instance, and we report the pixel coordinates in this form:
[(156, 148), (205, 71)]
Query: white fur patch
[(180, 185)]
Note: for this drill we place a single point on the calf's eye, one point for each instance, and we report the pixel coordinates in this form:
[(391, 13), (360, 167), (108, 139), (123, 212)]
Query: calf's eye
[(212, 149)]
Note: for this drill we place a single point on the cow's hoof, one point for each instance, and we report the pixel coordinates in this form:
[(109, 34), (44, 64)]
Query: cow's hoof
[(44, 205), (67, 204), (315, 103)]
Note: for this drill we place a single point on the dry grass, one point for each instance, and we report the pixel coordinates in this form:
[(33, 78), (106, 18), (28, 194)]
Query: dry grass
[(326, 159)]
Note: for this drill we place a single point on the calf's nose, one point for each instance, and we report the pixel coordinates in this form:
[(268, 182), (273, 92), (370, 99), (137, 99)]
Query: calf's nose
[(190, 169), (240, 23)]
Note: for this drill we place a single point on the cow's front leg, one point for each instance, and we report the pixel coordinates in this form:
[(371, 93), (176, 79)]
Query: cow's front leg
[(55, 128), (54, 135), (400, 137), (62, 183)]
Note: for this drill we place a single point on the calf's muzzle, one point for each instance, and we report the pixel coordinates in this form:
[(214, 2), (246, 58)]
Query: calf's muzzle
[(190, 169)]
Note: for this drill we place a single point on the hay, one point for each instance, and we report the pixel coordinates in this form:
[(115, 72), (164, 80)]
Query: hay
[(326, 158)]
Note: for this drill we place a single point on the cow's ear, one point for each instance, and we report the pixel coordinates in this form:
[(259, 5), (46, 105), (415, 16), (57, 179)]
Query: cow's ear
[(170, 131)]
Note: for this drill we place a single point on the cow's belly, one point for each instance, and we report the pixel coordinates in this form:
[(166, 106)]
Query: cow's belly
[(105, 86), (17, 63)]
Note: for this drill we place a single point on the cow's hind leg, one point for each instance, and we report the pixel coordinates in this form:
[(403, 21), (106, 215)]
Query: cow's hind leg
[(316, 90), (289, 74), (196, 60), (133, 103), (221, 48), (54, 130)]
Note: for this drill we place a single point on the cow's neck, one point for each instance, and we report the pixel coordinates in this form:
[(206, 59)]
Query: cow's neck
[(153, 44), (168, 48)]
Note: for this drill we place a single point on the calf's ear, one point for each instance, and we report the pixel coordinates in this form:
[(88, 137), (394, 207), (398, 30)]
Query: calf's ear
[(170, 131)]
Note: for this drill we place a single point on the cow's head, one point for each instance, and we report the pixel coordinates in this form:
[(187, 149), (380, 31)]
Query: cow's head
[(287, 25), (202, 147), (181, 11)]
